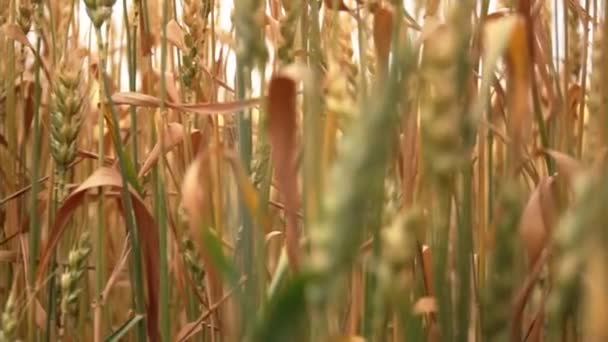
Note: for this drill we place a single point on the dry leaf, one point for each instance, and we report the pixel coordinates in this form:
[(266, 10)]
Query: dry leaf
[(521, 296), (146, 40), (147, 231), (13, 32), (281, 107), (143, 100), (538, 219), (567, 166), (170, 87), (174, 135), (175, 35), (519, 84), (383, 32), (193, 198), (409, 148)]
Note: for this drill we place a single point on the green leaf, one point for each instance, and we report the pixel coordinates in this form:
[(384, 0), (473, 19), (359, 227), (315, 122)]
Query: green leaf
[(283, 316), (118, 334)]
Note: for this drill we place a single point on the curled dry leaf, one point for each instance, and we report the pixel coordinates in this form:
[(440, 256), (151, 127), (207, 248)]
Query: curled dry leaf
[(519, 83), (193, 198), (175, 35), (538, 219), (382, 31), (282, 130), (143, 100), (567, 166), (174, 135), (147, 232), (170, 86), (194, 201)]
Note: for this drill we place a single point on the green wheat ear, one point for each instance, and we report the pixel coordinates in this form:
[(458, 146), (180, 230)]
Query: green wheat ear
[(99, 10), (66, 115), (8, 320), (66, 120), (76, 267), (193, 262)]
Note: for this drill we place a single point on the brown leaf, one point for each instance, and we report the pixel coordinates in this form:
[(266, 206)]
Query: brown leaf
[(194, 200), (566, 165), (538, 219), (147, 231), (175, 35), (282, 128), (146, 40), (170, 87), (174, 135), (13, 32), (519, 84), (143, 100), (575, 95), (40, 314), (409, 150), (536, 331), (383, 32), (522, 295)]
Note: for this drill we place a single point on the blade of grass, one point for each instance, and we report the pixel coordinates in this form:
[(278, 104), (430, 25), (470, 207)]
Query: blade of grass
[(124, 329)]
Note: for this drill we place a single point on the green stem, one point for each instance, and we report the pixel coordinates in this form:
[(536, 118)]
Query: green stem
[(441, 228), (34, 233), (131, 63), (101, 216), (245, 150), (126, 199), (165, 323), (465, 255)]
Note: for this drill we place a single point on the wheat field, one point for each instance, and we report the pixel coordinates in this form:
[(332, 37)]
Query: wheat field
[(303, 170)]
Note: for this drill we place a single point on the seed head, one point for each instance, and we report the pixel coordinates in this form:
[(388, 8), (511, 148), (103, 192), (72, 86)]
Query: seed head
[(66, 114)]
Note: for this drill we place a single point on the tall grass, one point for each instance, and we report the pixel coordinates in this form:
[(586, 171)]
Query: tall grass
[(283, 170)]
